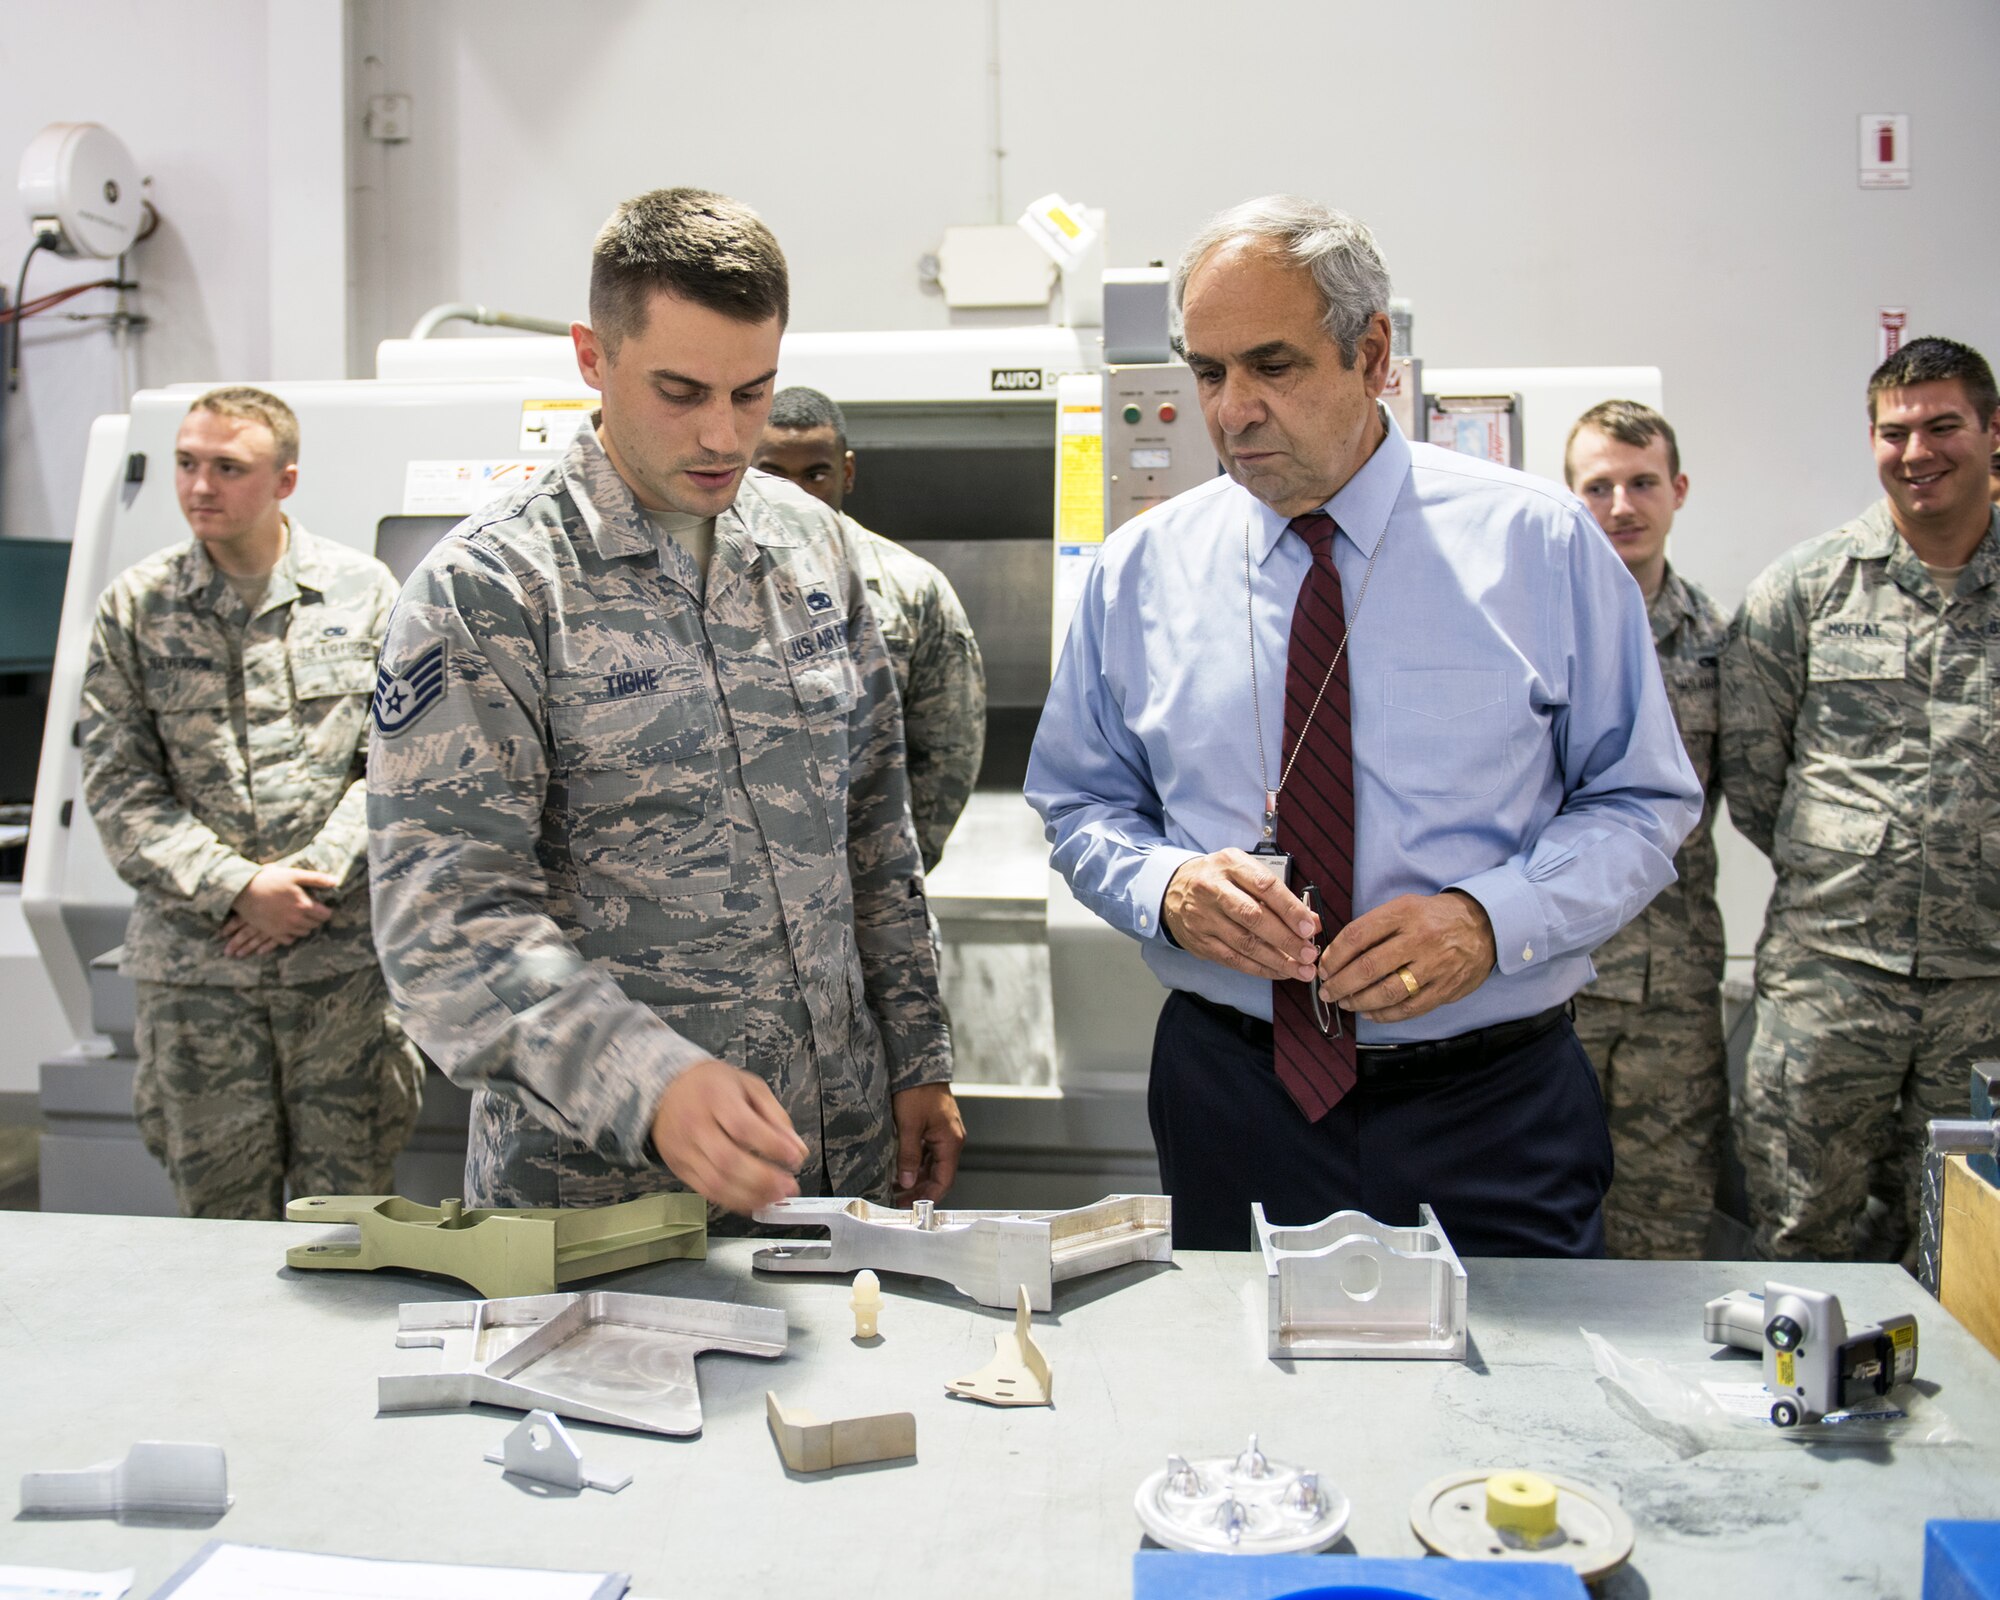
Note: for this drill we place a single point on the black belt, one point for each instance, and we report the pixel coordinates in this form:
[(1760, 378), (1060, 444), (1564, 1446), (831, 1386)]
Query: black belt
[(1462, 1048)]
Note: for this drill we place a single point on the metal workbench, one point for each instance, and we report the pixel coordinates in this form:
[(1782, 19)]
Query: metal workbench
[(116, 1329)]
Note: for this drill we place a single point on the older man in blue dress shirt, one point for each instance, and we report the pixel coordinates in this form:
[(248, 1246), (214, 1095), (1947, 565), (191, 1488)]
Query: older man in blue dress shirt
[(1518, 788)]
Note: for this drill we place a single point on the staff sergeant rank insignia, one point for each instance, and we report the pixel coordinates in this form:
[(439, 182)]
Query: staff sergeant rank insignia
[(402, 697)]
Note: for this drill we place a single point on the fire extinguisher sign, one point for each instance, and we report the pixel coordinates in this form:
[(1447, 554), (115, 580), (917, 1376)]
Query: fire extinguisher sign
[(1885, 151), (1891, 323)]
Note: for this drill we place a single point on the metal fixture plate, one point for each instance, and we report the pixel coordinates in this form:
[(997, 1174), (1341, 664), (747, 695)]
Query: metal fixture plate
[(988, 1255), (1350, 1286), (627, 1360), (1278, 1509), (1594, 1533), (502, 1253)]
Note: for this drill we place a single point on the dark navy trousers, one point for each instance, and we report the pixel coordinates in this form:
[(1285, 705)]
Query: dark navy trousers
[(1509, 1147)]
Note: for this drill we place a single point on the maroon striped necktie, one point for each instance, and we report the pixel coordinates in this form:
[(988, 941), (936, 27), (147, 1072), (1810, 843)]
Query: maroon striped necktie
[(1316, 819)]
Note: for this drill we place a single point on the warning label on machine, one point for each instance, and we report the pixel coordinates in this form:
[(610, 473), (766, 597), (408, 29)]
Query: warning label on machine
[(551, 424)]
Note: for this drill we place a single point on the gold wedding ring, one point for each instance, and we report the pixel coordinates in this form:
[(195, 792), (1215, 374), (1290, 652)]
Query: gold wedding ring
[(1409, 981)]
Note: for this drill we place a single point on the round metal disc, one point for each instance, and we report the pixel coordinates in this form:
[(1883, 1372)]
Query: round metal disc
[(1594, 1535), (1270, 1527)]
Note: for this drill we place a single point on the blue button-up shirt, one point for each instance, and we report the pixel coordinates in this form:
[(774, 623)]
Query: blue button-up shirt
[(1512, 737)]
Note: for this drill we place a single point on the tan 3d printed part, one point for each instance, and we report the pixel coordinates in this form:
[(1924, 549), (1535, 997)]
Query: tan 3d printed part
[(809, 1445), (1018, 1374), (503, 1254)]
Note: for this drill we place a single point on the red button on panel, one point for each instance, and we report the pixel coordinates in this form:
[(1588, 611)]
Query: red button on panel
[(1168, 413)]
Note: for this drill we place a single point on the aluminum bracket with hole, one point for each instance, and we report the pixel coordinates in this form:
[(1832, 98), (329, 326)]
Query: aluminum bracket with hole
[(626, 1360), (985, 1254), (1018, 1374), (807, 1444), (539, 1448), (501, 1253), (1351, 1286)]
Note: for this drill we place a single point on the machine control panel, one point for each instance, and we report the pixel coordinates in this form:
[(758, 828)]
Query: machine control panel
[(1155, 443)]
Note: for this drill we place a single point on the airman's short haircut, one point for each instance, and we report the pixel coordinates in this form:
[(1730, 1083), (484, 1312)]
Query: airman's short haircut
[(801, 410), (1934, 360), (701, 246), (256, 405), (1628, 422)]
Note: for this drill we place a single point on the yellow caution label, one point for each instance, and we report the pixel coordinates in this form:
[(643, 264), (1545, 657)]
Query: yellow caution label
[(1785, 1369), (1080, 489), (1061, 219), (1903, 1336)]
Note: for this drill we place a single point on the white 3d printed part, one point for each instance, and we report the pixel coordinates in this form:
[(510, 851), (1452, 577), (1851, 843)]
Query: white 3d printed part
[(170, 1479), (1351, 1286), (1240, 1505)]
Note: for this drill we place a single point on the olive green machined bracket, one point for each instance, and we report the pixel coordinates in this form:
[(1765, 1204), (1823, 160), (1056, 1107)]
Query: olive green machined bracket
[(502, 1254)]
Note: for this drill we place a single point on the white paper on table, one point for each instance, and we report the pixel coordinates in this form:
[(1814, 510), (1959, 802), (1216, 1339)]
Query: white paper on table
[(252, 1572), (52, 1583)]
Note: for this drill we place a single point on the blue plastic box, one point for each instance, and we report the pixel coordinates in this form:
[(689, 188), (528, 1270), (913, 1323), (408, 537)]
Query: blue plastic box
[(1962, 1561), (1171, 1575)]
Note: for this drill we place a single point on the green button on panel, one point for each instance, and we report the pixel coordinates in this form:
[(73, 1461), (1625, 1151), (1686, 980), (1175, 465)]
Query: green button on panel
[(1132, 413)]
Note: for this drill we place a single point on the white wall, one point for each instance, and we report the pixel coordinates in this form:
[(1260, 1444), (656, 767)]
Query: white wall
[(184, 85), (1553, 181)]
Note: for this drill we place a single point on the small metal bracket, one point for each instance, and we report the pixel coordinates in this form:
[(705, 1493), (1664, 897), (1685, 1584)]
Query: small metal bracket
[(1351, 1286), (807, 1444), (539, 1447), (1018, 1374), (503, 1254), (984, 1254)]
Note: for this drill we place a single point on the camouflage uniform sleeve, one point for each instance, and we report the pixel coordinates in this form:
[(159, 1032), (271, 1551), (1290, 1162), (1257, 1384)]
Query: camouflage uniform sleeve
[(1763, 679), (153, 841), (487, 983), (944, 720), (891, 918), (341, 845)]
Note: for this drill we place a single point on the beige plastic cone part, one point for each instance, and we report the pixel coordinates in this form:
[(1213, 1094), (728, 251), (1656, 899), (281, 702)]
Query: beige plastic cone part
[(866, 1303)]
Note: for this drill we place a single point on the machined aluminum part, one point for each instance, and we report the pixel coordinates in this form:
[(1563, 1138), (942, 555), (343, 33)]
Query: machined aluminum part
[(989, 1255), (1351, 1286), (1593, 1533), (1245, 1504), (622, 1359)]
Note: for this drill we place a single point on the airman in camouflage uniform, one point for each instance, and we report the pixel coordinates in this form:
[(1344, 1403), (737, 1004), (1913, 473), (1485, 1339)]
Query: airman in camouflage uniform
[(633, 816), (1652, 1019), (939, 674), (217, 742), (939, 677), (1860, 751), (635, 829)]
